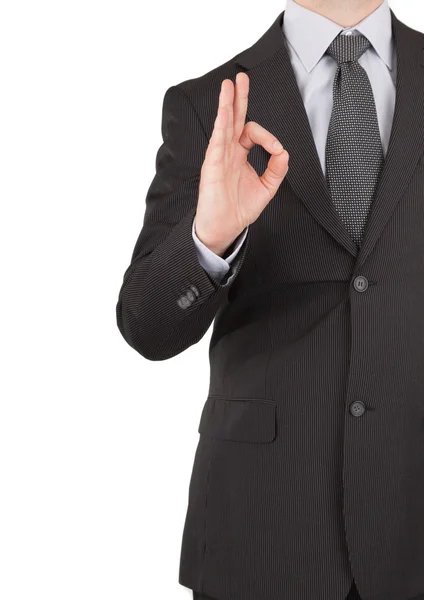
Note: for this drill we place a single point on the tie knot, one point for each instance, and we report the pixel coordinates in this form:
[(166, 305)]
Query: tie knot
[(347, 48)]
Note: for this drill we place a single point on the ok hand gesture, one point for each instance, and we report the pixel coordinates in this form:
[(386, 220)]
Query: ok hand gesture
[(231, 194)]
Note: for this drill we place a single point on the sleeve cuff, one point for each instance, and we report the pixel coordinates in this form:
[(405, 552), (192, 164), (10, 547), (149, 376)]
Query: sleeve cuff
[(215, 265)]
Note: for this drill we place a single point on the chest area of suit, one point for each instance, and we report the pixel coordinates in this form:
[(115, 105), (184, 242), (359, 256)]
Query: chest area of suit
[(289, 245)]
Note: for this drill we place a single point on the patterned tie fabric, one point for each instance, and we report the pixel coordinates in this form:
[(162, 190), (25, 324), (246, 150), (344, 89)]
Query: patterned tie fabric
[(354, 155)]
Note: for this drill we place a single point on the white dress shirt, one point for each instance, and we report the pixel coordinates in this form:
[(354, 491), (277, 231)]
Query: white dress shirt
[(308, 35)]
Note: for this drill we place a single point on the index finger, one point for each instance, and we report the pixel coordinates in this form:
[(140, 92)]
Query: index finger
[(241, 95)]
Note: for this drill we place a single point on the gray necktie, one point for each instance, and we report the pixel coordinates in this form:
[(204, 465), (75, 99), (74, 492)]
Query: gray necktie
[(354, 154)]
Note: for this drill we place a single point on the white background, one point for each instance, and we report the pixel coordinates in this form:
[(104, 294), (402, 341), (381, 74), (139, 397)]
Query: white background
[(96, 443)]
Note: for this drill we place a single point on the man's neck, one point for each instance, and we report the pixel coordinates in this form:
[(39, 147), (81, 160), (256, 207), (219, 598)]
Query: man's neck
[(346, 13)]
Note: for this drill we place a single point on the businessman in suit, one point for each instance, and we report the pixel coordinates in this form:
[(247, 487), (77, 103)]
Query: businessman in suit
[(288, 209)]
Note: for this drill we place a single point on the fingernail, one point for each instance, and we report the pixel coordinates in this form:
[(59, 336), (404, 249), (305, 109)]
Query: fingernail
[(277, 145)]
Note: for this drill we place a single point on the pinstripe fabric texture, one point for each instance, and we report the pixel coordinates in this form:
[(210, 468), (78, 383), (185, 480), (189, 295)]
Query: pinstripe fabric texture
[(292, 497), (354, 152), (352, 595)]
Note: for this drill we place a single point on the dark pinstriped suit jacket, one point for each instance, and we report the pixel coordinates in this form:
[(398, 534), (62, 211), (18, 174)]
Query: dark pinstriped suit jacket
[(291, 495)]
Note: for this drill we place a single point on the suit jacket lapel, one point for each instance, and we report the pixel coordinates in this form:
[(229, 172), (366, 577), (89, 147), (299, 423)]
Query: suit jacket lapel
[(275, 103), (406, 142)]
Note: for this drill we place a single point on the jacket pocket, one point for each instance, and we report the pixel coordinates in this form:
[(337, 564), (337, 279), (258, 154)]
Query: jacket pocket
[(240, 420)]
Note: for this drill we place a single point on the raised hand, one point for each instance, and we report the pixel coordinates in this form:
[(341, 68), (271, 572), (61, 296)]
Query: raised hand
[(231, 194)]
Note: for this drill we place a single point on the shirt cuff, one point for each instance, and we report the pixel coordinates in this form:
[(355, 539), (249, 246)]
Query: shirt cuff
[(215, 265)]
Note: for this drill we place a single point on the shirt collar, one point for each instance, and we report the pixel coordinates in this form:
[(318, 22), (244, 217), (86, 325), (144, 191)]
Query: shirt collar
[(310, 33)]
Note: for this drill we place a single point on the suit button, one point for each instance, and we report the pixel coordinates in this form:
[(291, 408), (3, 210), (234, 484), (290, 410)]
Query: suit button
[(190, 295), (360, 283), (184, 302), (357, 409), (195, 290)]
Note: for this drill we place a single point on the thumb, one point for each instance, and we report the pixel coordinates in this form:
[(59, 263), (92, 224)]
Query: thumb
[(275, 172)]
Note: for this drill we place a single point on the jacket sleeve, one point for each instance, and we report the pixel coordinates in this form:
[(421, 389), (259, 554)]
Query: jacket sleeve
[(167, 300)]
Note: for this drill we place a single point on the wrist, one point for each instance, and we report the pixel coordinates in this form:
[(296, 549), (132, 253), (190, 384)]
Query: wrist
[(219, 247)]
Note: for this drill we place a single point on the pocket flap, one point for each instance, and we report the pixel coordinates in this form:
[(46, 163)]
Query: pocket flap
[(241, 420)]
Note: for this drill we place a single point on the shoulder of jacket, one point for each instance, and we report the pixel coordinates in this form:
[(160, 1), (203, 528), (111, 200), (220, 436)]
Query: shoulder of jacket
[(416, 33)]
